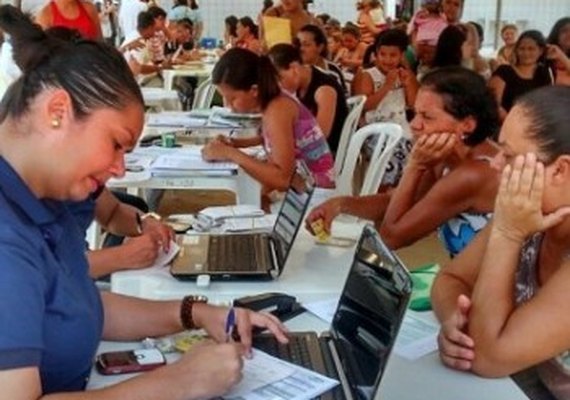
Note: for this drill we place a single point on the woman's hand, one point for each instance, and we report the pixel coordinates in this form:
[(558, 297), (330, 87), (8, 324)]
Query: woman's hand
[(217, 150), (162, 233), (326, 212), (211, 370), (431, 149), (456, 348), (213, 319), (518, 207), (555, 53)]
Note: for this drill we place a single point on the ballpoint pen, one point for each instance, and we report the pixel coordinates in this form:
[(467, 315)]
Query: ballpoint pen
[(230, 324)]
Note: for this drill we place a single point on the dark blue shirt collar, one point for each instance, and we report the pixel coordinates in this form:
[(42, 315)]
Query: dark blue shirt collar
[(41, 212)]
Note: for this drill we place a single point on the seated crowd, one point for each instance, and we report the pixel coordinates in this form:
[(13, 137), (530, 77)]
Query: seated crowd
[(483, 159)]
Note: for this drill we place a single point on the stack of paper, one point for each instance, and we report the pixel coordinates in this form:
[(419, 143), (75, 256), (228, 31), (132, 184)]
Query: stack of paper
[(182, 164), (237, 211), (174, 119)]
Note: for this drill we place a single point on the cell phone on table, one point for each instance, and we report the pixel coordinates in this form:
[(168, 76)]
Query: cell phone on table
[(129, 361)]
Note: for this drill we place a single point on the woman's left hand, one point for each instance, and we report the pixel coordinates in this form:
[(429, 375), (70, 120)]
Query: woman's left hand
[(216, 150), (214, 320), (518, 206)]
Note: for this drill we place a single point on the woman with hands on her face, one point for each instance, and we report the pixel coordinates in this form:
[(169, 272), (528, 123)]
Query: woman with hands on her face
[(448, 181), (503, 301), (78, 103)]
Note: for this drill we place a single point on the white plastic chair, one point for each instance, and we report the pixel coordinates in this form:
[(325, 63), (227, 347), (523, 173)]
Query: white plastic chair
[(204, 95), (355, 106), (388, 136)]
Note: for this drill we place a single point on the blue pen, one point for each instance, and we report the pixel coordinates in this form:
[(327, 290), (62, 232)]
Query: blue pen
[(230, 324)]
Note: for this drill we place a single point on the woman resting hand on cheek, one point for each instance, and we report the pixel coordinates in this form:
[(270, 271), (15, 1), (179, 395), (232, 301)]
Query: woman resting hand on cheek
[(502, 301)]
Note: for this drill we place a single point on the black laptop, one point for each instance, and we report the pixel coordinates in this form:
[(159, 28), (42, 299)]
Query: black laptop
[(364, 328), (249, 255)]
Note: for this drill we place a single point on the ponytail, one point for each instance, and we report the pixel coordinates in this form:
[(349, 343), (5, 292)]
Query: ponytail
[(241, 69)]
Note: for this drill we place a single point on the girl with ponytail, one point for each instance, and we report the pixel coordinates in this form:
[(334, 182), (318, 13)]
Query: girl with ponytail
[(289, 131)]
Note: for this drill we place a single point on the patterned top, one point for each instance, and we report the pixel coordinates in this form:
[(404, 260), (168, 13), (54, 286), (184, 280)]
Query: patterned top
[(310, 146), (555, 373), (392, 108)]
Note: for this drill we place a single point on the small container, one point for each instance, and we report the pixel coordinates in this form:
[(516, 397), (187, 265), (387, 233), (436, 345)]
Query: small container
[(168, 140)]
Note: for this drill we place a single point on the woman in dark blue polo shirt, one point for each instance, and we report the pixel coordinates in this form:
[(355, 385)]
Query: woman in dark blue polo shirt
[(65, 126)]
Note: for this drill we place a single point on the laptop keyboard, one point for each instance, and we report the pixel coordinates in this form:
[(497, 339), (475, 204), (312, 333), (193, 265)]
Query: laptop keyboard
[(296, 351), (236, 252)]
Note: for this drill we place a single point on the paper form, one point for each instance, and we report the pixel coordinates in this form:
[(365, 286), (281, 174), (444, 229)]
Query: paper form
[(417, 337), (259, 371), (264, 223), (300, 384), (188, 162), (165, 258), (324, 309)]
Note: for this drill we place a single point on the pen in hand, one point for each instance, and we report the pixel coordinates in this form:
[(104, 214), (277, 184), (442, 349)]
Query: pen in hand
[(230, 324)]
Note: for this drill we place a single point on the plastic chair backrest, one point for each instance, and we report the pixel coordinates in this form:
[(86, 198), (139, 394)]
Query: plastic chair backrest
[(388, 136), (355, 106), (204, 95)]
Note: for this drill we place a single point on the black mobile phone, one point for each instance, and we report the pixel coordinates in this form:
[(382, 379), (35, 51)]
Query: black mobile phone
[(129, 361)]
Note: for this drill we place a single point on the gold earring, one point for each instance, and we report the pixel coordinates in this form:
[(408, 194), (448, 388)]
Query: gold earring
[(55, 122)]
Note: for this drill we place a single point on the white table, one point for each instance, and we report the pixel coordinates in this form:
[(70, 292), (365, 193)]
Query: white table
[(315, 273), (247, 189), (423, 379), (312, 272)]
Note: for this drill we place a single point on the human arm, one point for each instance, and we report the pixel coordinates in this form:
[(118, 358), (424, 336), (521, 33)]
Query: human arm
[(410, 84), (411, 215), (497, 86), (125, 220), (325, 97), (555, 53), (137, 252), (371, 207), (365, 86), (451, 302), (507, 336), (276, 171)]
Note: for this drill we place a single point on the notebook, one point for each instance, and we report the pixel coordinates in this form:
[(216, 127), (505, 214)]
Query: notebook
[(368, 317), (260, 255)]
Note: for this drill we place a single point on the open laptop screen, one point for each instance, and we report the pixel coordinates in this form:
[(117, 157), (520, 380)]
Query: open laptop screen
[(369, 314), (290, 216)]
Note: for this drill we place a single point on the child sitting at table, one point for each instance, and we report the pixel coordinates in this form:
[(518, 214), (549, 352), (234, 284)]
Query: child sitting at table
[(289, 132)]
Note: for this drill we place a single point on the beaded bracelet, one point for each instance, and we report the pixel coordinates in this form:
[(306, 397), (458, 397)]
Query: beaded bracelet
[(186, 310)]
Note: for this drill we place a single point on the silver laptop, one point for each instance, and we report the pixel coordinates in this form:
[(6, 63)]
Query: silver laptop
[(249, 255), (364, 328)]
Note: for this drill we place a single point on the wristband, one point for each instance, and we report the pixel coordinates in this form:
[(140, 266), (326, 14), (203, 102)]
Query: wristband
[(186, 308)]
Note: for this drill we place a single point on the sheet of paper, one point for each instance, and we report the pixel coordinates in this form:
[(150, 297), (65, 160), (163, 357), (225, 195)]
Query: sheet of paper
[(174, 119), (298, 384), (188, 162), (417, 336), (264, 223), (276, 30), (165, 258), (259, 371), (324, 309), (240, 210)]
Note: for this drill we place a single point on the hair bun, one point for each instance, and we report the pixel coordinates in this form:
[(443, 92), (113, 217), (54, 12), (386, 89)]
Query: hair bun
[(30, 44)]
